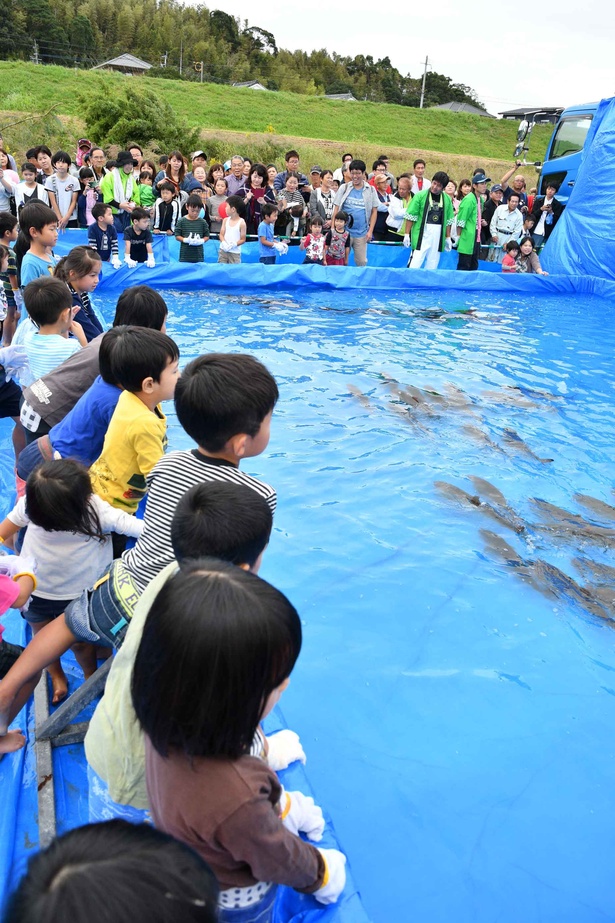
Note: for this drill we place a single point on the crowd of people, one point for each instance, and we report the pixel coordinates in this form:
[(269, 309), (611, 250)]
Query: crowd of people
[(330, 213), (178, 592)]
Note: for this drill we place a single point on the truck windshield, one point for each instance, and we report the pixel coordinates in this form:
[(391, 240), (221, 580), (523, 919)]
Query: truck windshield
[(570, 136)]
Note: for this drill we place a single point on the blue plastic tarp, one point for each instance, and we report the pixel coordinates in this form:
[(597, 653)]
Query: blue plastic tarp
[(583, 241)]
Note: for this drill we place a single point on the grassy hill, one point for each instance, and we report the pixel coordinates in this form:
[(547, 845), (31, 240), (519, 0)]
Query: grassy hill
[(266, 124)]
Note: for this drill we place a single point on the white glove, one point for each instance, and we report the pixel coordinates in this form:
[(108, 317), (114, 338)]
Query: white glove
[(284, 748), (116, 261), (278, 246), (17, 565), (406, 240), (448, 245), (194, 240), (335, 876), (17, 295), (150, 261), (301, 814), (225, 246), (13, 357), (131, 263)]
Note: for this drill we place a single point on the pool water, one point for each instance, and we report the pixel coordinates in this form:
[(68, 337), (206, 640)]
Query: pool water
[(455, 695)]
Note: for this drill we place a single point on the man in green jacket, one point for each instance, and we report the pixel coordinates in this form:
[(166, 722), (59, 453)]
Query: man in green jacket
[(120, 190), (469, 219), (431, 215)]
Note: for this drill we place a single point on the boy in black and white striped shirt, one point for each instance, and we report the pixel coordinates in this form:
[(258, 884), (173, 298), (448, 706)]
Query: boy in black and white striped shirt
[(224, 401)]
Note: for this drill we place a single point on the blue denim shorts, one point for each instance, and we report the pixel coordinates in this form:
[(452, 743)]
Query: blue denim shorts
[(104, 613), (44, 610)]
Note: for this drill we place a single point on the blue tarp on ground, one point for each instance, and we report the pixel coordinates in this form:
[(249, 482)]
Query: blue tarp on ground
[(583, 241)]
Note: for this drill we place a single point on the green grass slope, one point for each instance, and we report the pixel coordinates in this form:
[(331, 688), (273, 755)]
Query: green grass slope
[(28, 88)]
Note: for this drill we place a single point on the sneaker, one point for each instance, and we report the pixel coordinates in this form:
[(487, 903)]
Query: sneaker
[(9, 653)]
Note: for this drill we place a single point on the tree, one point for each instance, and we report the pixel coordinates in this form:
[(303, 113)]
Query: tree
[(136, 116)]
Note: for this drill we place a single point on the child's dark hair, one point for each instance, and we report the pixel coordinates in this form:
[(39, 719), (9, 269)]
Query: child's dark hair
[(45, 299), (4, 253), (140, 353), (297, 211), (140, 306), (316, 220), (345, 217), (222, 395), (115, 870), (233, 639), (86, 173), (58, 495), (7, 223), (138, 213), (193, 201), (28, 167), (99, 210), (235, 201), (36, 215), (269, 209), (80, 261), (169, 188), (43, 149), (61, 156), (145, 174), (220, 519), (511, 245)]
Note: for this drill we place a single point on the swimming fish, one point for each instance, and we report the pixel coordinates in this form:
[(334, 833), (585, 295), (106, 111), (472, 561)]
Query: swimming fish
[(512, 438), (603, 573), (499, 502), (596, 506), (363, 399), (511, 399), (549, 579), (571, 523), (457, 495), (474, 432)]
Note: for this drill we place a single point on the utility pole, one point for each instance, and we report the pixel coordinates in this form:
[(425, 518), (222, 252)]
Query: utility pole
[(35, 58), (181, 55), (198, 66), (426, 62)]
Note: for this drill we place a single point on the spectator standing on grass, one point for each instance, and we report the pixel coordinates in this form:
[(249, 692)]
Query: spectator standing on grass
[(469, 221), (420, 183), (257, 195), (322, 199), (517, 187), (97, 161), (120, 190), (359, 200), (546, 213), (506, 224), (494, 200), (431, 217), (381, 230), (199, 159), (398, 204), (339, 173), (291, 207), (291, 159), (237, 182)]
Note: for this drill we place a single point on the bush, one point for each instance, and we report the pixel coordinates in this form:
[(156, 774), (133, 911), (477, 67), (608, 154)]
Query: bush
[(131, 115)]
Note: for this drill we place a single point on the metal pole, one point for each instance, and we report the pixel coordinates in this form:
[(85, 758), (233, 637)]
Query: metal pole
[(424, 79)]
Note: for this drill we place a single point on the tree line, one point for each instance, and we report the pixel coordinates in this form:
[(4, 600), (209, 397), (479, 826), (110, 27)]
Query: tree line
[(176, 39)]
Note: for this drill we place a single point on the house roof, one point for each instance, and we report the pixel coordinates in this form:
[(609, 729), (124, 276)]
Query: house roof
[(128, 61), (528, 110), (464, 107), (250, 84), (345, 96)]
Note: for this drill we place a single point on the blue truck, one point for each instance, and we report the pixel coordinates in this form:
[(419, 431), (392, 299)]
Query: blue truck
[(564, 151)]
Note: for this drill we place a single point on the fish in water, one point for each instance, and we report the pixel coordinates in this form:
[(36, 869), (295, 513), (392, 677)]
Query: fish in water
[(498, 501), (538, 393), (363, 399), (596, 506), (511, 399), (477, 434), (511, 437), (563, 521), (464, 499), (550, 580)]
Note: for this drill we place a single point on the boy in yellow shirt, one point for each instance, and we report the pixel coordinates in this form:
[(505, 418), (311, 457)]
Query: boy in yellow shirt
[(136, 437)]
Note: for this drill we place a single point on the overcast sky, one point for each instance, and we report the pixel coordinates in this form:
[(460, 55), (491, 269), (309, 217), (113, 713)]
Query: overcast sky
[(562, 52)]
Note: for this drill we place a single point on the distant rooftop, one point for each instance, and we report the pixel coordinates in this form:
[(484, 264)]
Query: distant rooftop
[(347, 97), (251, 85), (464, 107), (124, 62)]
